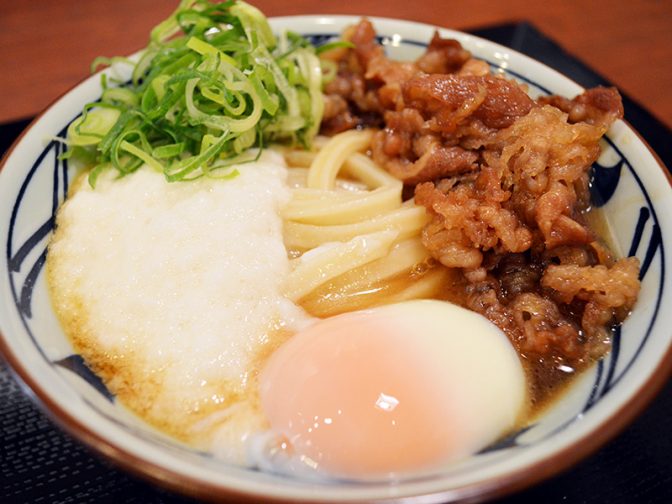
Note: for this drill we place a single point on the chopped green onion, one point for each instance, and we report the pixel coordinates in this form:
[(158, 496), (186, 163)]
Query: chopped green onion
[(205, 49), (141, 154), (120, 96), (169, 151), (334, 45), (92, 126), (256, 25), (212, 83), (103, 61)]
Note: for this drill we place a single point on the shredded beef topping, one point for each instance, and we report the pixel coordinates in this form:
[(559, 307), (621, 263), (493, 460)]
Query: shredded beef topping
[(599, 106), (505, 180), (448, 100), (443, 56)]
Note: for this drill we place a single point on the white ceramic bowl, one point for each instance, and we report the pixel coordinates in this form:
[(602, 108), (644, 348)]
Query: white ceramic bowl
[(34, 181)]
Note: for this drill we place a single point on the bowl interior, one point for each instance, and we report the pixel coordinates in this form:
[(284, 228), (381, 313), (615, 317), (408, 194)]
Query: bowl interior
[(634, 195)]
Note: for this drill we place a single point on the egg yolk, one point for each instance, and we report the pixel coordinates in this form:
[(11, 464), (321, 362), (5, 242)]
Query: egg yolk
[(396, 389)]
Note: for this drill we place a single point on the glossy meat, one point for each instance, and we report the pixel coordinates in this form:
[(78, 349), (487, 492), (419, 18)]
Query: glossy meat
[(505, 180)]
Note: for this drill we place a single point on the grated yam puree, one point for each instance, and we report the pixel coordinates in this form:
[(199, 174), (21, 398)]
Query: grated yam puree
[(172, 293)]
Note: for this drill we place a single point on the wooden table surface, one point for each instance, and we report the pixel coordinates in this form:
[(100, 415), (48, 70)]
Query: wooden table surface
[(46, 47)]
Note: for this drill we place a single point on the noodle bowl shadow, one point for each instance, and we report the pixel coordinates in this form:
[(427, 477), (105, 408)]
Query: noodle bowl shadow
[(637, 203)]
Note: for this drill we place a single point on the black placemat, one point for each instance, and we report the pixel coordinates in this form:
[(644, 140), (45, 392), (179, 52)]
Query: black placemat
[(40, 464)]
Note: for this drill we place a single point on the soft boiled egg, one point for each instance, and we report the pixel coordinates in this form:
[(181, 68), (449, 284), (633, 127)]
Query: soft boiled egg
[(395, 389)]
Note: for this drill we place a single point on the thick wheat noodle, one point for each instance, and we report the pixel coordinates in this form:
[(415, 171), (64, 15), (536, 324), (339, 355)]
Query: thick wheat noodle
[(305, 196), (361, 166), (322, 264), (328, 162), (338, 208), (297, 177), (348, 227), (425, 287), (358, 165), (402, 257), (408, 221)]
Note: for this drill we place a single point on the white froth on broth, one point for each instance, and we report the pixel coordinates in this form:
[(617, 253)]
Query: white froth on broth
[(172, 293)]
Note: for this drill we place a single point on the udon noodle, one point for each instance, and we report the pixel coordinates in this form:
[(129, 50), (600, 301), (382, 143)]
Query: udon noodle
[(352, 235)]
